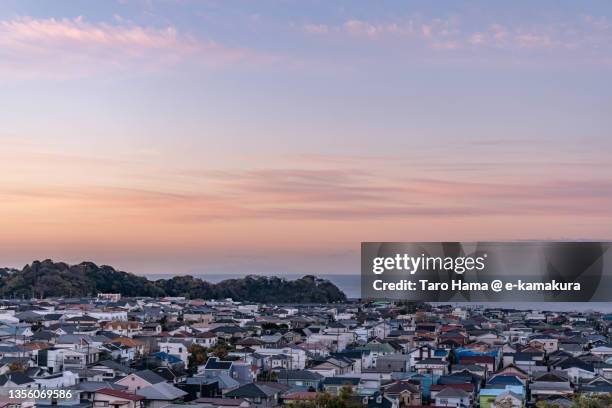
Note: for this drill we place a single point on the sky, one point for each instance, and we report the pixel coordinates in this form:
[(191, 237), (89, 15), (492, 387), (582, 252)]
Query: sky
[(272, 137)]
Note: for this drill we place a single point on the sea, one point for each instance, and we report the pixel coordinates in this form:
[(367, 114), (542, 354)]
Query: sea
[(351, 286)]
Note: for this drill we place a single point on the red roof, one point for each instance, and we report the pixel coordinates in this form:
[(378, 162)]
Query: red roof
[(450, 327), (120, 394)]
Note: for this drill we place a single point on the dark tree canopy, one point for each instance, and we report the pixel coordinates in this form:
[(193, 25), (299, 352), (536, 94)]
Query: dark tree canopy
[(58, 279)]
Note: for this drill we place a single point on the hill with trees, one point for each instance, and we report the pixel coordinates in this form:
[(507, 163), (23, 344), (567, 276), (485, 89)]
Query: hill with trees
[(46, 278)]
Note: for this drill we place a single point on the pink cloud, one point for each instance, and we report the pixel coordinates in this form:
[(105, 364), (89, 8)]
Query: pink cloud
[(67, 47), (309, 194), (350, 193)]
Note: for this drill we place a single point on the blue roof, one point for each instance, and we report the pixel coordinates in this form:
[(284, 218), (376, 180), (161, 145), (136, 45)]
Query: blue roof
[(497, 391), (462, 352), (167, 357)]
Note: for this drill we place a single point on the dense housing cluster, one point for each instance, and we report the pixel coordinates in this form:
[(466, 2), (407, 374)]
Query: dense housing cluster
[(165, 352)]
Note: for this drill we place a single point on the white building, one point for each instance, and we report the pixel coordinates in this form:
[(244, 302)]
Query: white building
[(59, 380), (333, 342), (177, 349), (297, 356)]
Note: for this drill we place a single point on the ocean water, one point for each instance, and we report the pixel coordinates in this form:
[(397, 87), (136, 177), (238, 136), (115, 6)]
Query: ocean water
[(351, 286)]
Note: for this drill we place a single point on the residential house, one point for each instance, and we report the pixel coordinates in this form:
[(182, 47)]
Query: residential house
[(305, 379), (258, 395), (435, 366), (160, 395), (139, 380), (108, 397), (453, 397)]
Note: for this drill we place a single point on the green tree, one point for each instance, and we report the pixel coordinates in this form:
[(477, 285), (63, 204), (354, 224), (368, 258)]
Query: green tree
[(326, 400), (544, 404), (220, 350), (600, 401), (345, 393), (198, 355), (164, 322), (17, 366)]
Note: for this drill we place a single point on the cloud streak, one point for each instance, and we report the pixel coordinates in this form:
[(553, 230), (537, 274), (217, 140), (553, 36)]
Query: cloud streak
[(329, 194), (582, 35), (50, 47)]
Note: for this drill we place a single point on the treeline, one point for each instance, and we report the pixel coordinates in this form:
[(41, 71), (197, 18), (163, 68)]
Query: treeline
[(58, 279)]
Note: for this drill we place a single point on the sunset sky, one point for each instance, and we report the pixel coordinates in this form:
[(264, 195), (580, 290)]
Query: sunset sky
[(275, 136)]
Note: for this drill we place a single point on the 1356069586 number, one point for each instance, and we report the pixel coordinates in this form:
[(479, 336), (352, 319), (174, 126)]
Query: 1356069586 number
[(40, 394)]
